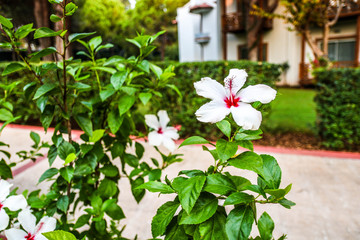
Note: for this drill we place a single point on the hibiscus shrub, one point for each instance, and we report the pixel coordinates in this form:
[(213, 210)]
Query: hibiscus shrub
[(338, 107), (83, 173), (182, 109)]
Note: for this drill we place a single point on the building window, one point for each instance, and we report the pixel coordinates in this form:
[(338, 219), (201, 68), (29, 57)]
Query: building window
[(262, 55), (341, 51)]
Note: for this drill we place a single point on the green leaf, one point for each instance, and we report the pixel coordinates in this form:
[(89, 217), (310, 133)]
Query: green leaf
[(115, 212), (175, 231), (70, 158), (266, 226), (189, 190), (105, 94), (248, 161), (226, 149), (35, 137), (239, 223), (278, 193), (286, 203), (204, 208), (63, 203), (47, 116), (85, 123), (107, 188), (65, 149), (76, 36), (214, 228), (95, 42), (225, 127), (145, 97), (6, 22), (133, 41), (55, 18), (5, 115), (238, 198), (125, 103), (44, 89), (97, 135), (219, 184), (59, 235), (52, 154), (114, 120), (144, 65), (118, 79), (67, 173), (246, 144), (163, 217), (139, 150), (137, 193), (24, 30), (12, 67), (5, 170), (45, 32), (38, 55), (82, 220), (110, 171), (194, 140), (70, 9), (154, 186), (272, 171), (155, 69)]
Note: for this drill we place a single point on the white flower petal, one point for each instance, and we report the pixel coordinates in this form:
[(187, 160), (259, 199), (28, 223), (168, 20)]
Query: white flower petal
[(163, 118), (4, 189), (259, 92), (235, 80), (4, 220), (152, 121), (27, 220), (155, 138), (212, 112), (15, 234), (171, 132), (40, 237), (210, 88), (246, 116), (15, 203), (46, 224), (169, 144)]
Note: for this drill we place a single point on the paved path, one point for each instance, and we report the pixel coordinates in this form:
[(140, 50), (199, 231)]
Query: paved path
[(325, 189)]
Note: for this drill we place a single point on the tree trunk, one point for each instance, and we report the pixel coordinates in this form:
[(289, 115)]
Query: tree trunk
[(41, 14), (59, 26), (326, 33)]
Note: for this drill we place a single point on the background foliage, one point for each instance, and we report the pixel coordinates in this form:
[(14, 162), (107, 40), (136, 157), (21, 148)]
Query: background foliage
[(338, 107)]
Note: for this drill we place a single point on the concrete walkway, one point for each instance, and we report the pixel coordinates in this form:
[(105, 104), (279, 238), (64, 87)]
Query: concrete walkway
[(326, 190)]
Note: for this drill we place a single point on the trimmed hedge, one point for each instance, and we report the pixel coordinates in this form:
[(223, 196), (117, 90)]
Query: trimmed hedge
[(338, 107), (182, 110)]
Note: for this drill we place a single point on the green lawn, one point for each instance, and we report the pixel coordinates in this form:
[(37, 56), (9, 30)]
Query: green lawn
[(293, 110)]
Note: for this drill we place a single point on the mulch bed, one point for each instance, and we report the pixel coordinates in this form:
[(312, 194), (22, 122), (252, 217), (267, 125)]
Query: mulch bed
[(294, 140)]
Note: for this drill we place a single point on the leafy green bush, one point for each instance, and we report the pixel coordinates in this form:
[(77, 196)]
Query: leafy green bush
[(338, 107), (182, 109)]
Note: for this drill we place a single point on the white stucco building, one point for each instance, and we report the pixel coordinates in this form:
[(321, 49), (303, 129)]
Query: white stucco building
[(210, 30)]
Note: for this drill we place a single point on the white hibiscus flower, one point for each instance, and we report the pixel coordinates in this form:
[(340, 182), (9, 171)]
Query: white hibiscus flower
[(33, 231), (230, 99), (162, 134), (14, 203)]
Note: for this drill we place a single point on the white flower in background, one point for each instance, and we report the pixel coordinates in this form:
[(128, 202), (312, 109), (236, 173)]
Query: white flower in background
[(28, 222), (230, 99), (162, 134), (14, 203)]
